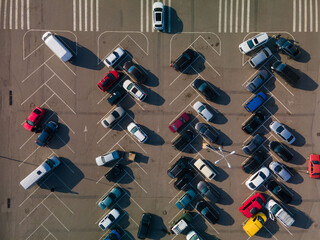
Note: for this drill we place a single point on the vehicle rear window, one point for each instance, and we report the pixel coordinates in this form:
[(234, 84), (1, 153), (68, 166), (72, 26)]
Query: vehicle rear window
[(158, 16), (29, 122), (37, 111)]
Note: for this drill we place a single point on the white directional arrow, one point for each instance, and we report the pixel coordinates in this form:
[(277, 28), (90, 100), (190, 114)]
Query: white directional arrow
[(85, 132)]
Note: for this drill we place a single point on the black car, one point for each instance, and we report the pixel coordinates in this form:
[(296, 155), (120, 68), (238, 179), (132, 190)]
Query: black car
[(182, 62), (286, 72), (205, 132), (254, 122), (135, 72), (144, 225), (254, 162), (183, 181), (183, 140), (278, 190), (116, 96), (204, 88), (179, 167), (207, 211), (281, 150), (287, 47), (115, 172)]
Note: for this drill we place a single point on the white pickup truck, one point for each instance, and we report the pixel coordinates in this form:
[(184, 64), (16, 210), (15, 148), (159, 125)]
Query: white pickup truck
[(275, 210)]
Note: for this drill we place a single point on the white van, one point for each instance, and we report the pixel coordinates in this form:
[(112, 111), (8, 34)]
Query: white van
[(46, 167), (56, 46)]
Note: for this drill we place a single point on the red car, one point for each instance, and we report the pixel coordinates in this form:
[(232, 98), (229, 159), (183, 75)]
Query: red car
[(253, 205), (108, 81), (33, 119), (314, 166), (179, 122)]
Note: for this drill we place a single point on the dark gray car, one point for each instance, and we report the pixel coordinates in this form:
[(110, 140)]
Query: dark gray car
[(253, 144), (257, 81), (209, 192), (205, 132)]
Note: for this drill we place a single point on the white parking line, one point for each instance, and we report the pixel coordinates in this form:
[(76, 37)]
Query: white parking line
[(137, 204), (59, 78), (28, 156), (175, 216), (270, 233), (181, 92), (278, 101), (26, 141), (136, 182), (41, 225)]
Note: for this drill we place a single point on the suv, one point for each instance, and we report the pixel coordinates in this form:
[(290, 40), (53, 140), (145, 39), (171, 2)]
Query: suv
[(184, 61), (254, 122), (144, 225), (256, 102), (181, 142), (253, 144), (260, 57), (47, 133), (179, 167), (179, 225), (285, 72)]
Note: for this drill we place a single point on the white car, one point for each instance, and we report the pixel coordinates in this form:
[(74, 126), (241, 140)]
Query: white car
[(253, 43), (114, 57), (114, 116), (158, 19), (257, 179), (134, 90), (280, 171), (282, 132), (203, 111), (192, 235), (110, 156), (137, 132), (205, 169), (109, 219)]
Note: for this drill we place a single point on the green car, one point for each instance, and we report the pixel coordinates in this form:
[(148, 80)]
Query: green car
[(110, 198)]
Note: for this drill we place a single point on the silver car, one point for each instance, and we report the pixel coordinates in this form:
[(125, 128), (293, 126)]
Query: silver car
[(205, 132), (203, 111), (113, 117), (257, 81), (209, 192), (282, 132), (280, 170)]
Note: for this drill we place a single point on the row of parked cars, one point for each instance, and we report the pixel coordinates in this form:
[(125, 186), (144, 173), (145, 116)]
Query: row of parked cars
[(253, 207)]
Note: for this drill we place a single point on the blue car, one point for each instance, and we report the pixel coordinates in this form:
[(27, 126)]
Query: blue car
[(110, 198), (115, 234), (186, 199), (47, 133), (256, 102)]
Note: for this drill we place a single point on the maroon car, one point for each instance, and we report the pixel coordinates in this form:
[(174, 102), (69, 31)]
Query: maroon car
[(108, 81), (179, 122)]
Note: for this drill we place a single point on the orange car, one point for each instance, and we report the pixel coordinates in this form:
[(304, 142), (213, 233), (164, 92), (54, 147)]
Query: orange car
[(314, 166)]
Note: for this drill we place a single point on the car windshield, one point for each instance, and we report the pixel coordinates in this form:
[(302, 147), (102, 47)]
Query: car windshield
[(130, 86), (115, 114), (266, 53), (203, 129), (263, 175), (111, 76), (29, 122), (134, 130), (260, 219), (158, 17), (131, 68), (250, 44), (201, 108), (111, 217), (37, 111), (252, 185), (275, 208), (182, 120), (174, 127), (280, 129), (277, 168)]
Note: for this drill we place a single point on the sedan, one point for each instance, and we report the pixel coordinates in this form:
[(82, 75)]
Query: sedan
[(34, 118), (253, 205), (209, 192), (134, 90), (179, 122), (135, 72), (108, 81), (280, 170), (279, 191), (110, 198), (109, 219), (114, 117), (207, 211), (253, 43), (205, 132), (47, 133), (204, 88), (137, 132), (203, 111), (257, 81), (282, 132), (114, 57), (158, 16), (257, 179), (281, 150), (287, 47), (314, 166), (253, 144), (254, 122)]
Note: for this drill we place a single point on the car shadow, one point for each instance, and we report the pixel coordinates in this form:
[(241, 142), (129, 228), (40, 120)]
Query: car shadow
[(61, 137), (199, 64), (153, 98), (221, 174), (225, 219), (124, 201), (268, 229), (305, 82), (219, 117), (223, 98), (64, 178), (175, 22), (304, 55), (225, 198), (296, 178), (272, 106), (302, 220), (125, 177), (152, 80), (84, 58), (300, 140), (153, 138), (157, 228), (223, 139), (297, 159)]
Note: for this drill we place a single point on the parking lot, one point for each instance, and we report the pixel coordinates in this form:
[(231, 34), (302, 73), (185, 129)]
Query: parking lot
[(64, 205)]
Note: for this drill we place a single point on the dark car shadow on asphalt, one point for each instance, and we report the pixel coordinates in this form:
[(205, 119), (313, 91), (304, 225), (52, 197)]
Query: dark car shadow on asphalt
[(85, 58), (124, 201), (302, 220), (175, 21), (221, 174), (153, 98), (305, 82), (268, 229), (157, 228), (218, 117), (296, 177), (152, 80), (225, 219), (153, 138), (63, 178), (304, 56), (225, 198), (300, 140), (61, 137)]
